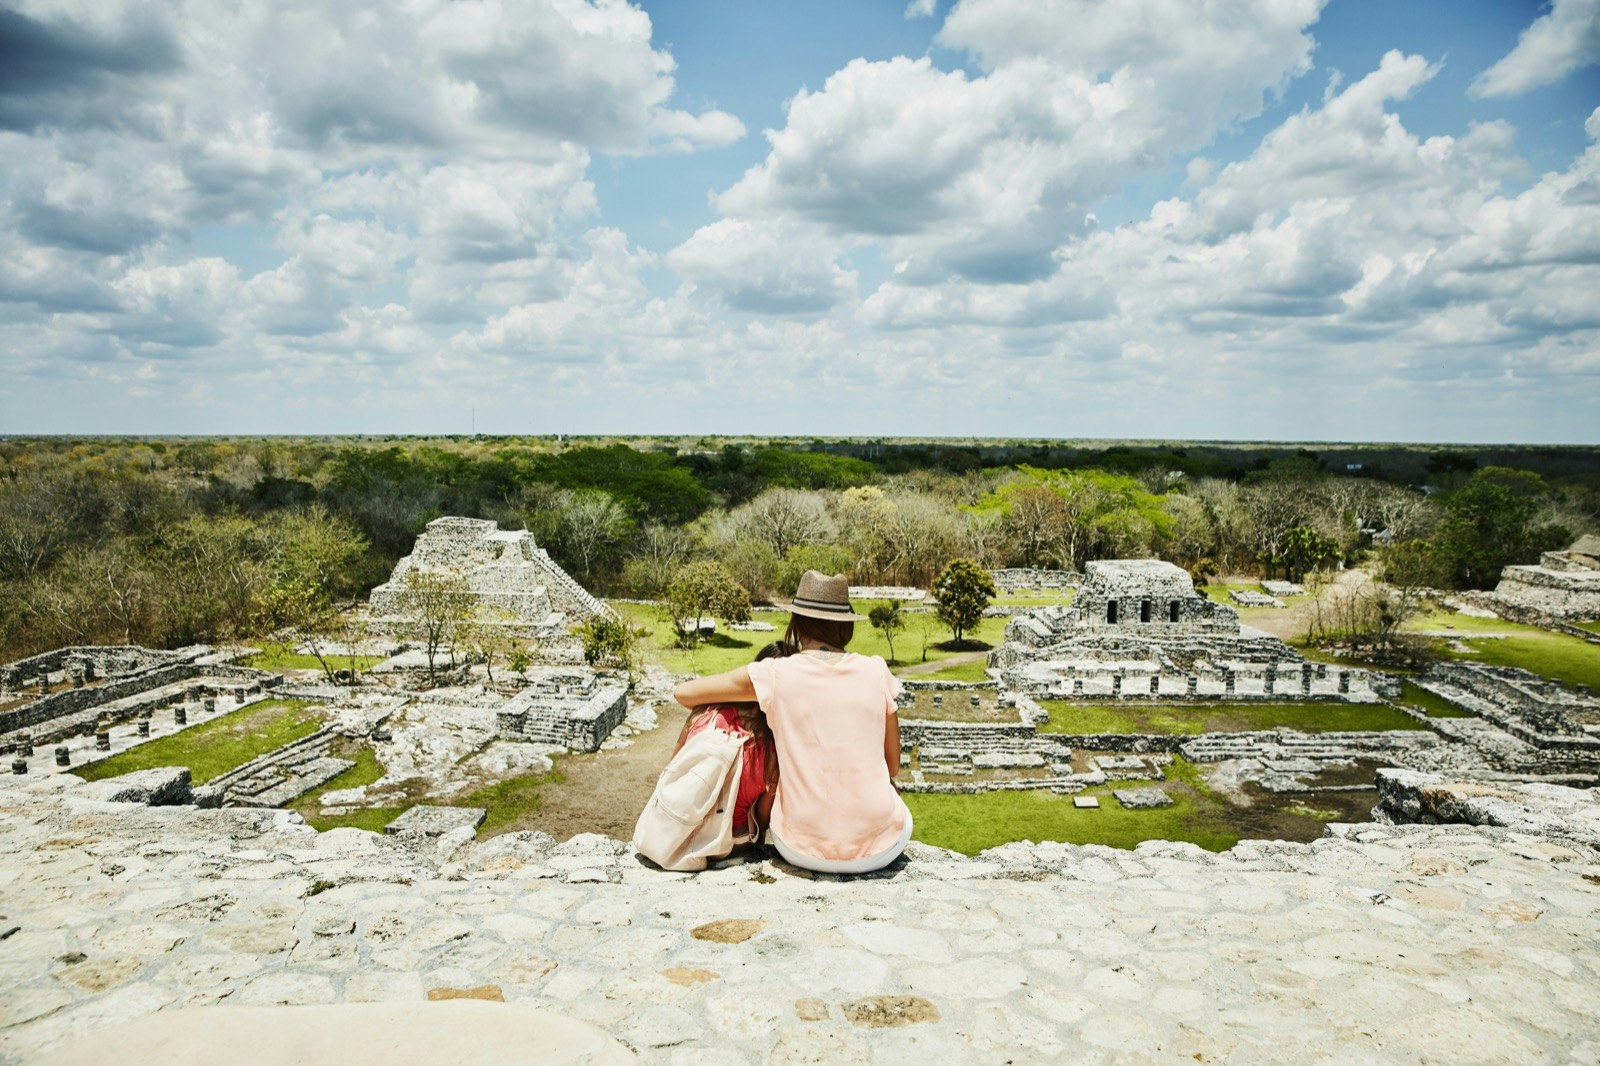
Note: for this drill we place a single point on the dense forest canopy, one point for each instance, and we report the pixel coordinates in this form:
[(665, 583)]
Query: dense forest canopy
[(165, 541)]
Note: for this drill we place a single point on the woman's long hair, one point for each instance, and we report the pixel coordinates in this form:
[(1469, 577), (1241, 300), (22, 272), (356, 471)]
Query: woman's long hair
[(833, 633)]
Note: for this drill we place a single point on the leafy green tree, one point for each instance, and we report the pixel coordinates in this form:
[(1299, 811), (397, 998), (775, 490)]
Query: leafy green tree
[(1302, 550), (964, 590), (704, 590), (889, 619), (608, 642), (1489, 524)]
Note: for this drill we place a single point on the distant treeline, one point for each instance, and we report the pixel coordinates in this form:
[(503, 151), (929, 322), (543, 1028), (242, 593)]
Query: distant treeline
[(165, 541)]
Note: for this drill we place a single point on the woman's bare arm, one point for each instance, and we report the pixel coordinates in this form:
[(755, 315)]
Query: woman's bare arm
[(891, 745), (734, 686)]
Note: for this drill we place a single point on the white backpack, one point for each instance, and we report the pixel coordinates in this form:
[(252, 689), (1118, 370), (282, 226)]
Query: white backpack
[(689, 818)]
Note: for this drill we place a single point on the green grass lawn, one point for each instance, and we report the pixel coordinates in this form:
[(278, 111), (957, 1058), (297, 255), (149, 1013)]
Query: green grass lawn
[(507, 801), (366, 770), (727, 648), (1414, 695), (969, 824), (1553, 655), (1558, 656), (220, 745), (1192, 719), (976, 670), (1441, 619), (283, 659)]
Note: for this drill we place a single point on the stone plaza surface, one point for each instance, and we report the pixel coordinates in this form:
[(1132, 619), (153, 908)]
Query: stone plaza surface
[(1379, 943)]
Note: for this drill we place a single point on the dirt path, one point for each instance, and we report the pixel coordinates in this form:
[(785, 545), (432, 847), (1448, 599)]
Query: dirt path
[(605, 791), (1291, 623)]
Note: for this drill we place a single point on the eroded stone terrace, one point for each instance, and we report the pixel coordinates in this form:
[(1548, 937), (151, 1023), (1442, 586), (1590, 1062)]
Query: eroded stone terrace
[(1409, 943)]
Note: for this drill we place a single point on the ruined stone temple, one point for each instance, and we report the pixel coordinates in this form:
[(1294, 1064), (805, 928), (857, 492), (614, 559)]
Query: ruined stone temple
[(505, 571), (570, 705), (78, 700), (1564, 584), (1138, 628)]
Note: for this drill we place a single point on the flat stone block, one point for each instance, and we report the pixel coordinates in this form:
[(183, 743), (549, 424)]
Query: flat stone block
[(436, 821), (1086, 801), (1139, 799), (1119, 762)]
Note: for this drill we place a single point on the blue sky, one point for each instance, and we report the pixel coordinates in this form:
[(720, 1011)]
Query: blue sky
[(1266, 219)]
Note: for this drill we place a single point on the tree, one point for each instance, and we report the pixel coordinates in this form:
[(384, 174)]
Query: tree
[(434, 607), (1302, 550), (609, 641), (701, 590), (784, 519), (889, 618), (1489, 525), (964, 590)]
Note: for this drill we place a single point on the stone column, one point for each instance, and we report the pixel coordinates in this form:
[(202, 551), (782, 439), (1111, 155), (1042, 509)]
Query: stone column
[(1191, 684), (63, 756), (209, 705), (1344, 681), (1271, 678), (19, 766), (1077, 686), (1227, 681), (1116, 684), (144, 727), (102, 741), (25, 743), (44, 684), (180, 714), (1305, 679)]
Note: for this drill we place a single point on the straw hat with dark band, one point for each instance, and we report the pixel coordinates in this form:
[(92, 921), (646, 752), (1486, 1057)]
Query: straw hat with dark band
[(824, 596)]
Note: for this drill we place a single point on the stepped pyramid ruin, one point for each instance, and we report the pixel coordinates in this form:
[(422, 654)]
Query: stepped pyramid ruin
[(504, 570)]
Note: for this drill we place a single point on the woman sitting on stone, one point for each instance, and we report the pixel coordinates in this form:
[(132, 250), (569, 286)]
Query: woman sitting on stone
[(832, 716)]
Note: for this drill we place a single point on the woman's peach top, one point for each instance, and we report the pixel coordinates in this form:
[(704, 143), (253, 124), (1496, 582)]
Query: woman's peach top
[(835, 797)]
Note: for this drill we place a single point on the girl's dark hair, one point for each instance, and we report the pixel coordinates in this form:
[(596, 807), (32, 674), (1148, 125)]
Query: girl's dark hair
[(822, 630)]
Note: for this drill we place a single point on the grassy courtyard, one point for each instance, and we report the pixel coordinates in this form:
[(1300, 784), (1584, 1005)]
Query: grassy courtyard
[(283, 659), (728, 648), (969, 824), (220, 745), (1199, 814), (1557, 656), (1172, 719), (1414, 695)]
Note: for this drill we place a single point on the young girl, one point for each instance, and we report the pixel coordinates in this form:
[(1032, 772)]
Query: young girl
[(758, 782)]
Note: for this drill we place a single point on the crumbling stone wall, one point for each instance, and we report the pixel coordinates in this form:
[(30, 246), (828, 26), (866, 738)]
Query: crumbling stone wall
[(1562, 593), (85, 663), (75, 710), (575, 707), (1030, 579)]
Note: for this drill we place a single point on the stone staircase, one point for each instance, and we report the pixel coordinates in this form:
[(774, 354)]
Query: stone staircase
[(565, 589), (276, 778)]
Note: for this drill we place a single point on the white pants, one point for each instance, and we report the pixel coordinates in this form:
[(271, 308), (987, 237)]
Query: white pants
[(845, 866)]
